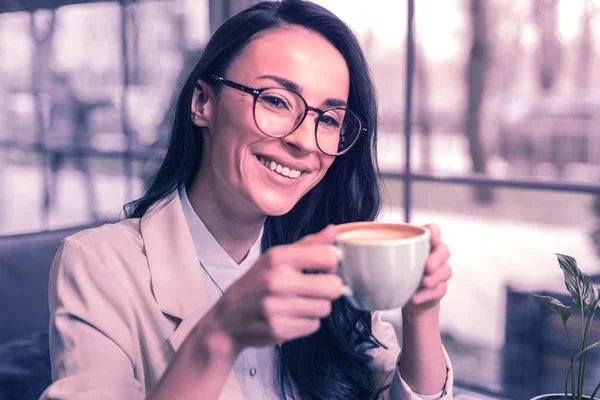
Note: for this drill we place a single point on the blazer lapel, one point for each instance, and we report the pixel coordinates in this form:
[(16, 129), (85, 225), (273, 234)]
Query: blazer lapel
[(176, 276)]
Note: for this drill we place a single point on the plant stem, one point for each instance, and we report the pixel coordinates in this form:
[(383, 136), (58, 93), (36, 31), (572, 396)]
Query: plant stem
[(581, 373), (567, 380), (571, 354), (578, 356), (590, 319), (588, 348), (572, 372), (593, 396), (585, 332)]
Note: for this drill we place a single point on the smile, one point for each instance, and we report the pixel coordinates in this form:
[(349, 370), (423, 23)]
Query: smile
[(279, 169)]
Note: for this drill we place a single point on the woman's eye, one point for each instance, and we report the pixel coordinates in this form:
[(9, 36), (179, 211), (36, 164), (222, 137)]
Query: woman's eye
[(275, 101), (330, 121)]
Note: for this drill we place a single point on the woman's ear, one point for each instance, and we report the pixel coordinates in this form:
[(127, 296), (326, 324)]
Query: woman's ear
[(202, 103)]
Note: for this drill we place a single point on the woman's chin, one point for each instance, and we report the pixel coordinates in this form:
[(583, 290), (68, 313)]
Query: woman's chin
[(276, 211), (275, 207)]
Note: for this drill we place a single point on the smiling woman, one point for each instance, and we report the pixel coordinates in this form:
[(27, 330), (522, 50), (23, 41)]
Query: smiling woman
[(202, 290)]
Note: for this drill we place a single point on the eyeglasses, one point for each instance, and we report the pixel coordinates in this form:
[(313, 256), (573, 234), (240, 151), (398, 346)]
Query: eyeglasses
[(278, 112)]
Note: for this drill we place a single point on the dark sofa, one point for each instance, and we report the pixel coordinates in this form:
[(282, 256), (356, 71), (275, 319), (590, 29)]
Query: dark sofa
[(24, 269)]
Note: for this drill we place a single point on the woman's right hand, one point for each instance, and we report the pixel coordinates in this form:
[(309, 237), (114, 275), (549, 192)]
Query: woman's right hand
[(275, 301)]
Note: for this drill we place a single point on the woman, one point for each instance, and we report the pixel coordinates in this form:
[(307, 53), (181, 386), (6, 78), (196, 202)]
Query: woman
[(201, 291)]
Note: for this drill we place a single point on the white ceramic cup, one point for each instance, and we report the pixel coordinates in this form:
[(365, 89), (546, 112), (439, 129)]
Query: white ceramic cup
[(382, 263)]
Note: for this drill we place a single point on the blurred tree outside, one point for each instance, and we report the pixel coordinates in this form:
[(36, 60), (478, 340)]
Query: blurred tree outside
[(41, 30), (130, 22), (582, 84), (40, 75), (545, 14), (222, 10), (506, 25), (586, 48), (422, 106), (476, 77), (190, 58)]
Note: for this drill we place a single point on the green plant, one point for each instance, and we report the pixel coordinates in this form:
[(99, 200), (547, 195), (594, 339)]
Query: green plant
[(587, 300)]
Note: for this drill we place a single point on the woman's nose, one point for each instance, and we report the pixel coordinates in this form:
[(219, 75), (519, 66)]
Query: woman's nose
[(304, 138)]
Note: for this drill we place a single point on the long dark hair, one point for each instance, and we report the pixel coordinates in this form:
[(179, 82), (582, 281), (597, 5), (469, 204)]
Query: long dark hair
[(333, 363)]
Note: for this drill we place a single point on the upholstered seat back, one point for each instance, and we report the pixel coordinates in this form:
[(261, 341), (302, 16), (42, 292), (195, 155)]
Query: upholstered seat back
[(25, 262)]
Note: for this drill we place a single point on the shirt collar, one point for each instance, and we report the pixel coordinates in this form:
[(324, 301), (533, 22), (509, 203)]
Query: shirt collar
[(218, 264)]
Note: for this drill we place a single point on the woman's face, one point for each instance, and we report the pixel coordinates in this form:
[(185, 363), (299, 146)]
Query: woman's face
[(234, 144)]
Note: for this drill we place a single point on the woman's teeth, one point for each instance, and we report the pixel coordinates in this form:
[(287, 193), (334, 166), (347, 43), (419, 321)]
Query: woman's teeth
[(280, 169)]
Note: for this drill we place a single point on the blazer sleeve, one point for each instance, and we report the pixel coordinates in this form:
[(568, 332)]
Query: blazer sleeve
[(92, 349), (386, 364)]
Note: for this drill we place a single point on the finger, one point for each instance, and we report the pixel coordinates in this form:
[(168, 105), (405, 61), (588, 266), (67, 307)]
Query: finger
[(325, 286), (427, 295), (309, 257), (435, 234), (282, 328), (326, 235), (443, 274), (297, 307), (290, 282), (285, 328), (437, 258)]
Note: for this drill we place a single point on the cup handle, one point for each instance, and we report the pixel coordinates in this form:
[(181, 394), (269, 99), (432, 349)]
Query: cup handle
[(346, 291)]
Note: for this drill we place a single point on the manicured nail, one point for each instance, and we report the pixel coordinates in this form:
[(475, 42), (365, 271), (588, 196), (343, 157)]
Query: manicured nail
[(346, 291), (339, 252)]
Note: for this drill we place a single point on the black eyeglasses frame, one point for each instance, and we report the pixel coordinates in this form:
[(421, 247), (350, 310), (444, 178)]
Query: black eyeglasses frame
[(255, 93)]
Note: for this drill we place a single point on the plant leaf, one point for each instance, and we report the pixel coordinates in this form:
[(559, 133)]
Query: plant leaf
[(578, 284), (554, 304)]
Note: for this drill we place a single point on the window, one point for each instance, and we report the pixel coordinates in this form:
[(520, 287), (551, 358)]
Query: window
[(503, 151), (503, 132)]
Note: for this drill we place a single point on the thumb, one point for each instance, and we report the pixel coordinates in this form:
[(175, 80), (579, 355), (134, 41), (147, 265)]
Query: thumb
[(326, 235)]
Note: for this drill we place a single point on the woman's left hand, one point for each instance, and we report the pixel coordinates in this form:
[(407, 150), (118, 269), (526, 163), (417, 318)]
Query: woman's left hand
[(437, 272)]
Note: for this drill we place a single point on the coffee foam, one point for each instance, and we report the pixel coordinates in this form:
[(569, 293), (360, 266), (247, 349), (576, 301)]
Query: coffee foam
[(375, 234)]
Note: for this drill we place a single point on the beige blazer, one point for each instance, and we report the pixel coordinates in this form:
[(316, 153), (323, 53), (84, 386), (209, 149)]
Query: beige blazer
[(124, 296)]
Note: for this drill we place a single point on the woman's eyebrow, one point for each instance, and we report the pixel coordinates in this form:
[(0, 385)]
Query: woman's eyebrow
[(286, 83), (335, 103)]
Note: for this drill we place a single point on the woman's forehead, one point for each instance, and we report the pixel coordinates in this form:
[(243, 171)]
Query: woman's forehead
[(298, 55)]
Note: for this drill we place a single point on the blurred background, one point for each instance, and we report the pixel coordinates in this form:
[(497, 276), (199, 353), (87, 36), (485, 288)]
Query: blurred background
[(502, 147)]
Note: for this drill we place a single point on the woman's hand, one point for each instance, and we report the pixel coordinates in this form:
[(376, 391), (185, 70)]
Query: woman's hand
[(275, 301), (422, 361), (434, 283)]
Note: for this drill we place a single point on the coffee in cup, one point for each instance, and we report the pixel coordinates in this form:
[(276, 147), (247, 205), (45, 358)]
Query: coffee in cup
[(382, 263)]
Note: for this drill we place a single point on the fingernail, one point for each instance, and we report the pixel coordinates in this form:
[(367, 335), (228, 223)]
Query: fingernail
[(339, 252), (346, 291)]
